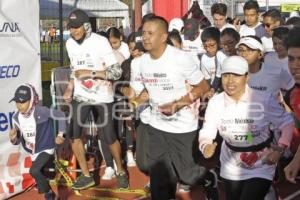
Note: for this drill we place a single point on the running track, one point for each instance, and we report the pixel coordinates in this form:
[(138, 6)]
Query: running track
[(286, 190)]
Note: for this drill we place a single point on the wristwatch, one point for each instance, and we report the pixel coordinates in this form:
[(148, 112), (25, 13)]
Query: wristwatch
[(94, 73)]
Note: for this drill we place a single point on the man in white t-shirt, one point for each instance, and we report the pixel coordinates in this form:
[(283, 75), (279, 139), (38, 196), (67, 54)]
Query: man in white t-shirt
[(173, 124), (252, 25), (93, 67), (191, 41), (219, 15)]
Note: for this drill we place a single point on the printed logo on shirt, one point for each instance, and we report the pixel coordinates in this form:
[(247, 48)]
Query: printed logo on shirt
[(158, 80), (159, 75), (260, 88), (150, 80), (244, 121), (237, 121)]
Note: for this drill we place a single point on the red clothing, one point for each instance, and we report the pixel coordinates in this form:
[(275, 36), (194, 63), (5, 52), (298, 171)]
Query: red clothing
[(295, 102)]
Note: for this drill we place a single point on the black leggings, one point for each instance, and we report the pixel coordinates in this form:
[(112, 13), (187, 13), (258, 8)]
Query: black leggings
[(142, 148), (254, 188), (107, 156), (81, 111)]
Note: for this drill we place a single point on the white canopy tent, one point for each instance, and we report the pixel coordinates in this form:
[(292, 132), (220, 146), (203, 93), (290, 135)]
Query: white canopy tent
[(49, 9), (94, 8)]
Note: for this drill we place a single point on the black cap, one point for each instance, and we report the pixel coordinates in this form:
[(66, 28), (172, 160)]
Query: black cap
[(22, 94), (77, 18), (191, 29)]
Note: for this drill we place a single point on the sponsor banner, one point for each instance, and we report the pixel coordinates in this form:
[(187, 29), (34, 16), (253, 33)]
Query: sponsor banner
[(19, 63), (289, 7)]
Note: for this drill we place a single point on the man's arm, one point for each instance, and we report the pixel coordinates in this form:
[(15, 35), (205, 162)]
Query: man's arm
[(198, 91), (293, 167), (140, 99), (13, 136), (69, 91), (112, 73)]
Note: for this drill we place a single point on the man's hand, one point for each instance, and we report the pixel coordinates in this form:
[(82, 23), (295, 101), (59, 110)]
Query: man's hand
[(59, 139), (69, 92), (208, 95), (168, 109), (128, 92), (83, 73), (209, 150), (12, 135), (68, 95), (291, 170), (237, 24)]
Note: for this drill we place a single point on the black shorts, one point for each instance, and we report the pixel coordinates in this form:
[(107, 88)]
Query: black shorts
[(104, 122)]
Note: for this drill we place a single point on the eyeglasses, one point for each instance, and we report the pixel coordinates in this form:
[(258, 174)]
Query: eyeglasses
[(244, 51)]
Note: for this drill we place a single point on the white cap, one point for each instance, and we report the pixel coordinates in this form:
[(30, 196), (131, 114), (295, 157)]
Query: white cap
[(177, 24), (251, 43), (235, 64)]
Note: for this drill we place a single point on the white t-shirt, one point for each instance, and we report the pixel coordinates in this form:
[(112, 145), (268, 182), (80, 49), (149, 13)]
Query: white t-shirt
[(272, 59), (195, 48), (271, 78), (267, 44), (257, 30), (227, 25), (243, 123), (137, 85), (27, 126), (124, 50), (211, 66), (95, 53), (165, 79)]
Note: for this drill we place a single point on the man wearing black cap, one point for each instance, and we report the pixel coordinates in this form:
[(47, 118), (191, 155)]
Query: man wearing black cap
[(94, 66)]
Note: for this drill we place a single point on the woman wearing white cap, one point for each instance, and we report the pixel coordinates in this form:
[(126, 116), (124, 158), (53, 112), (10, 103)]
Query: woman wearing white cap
[(263, 76), (242, 117)]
